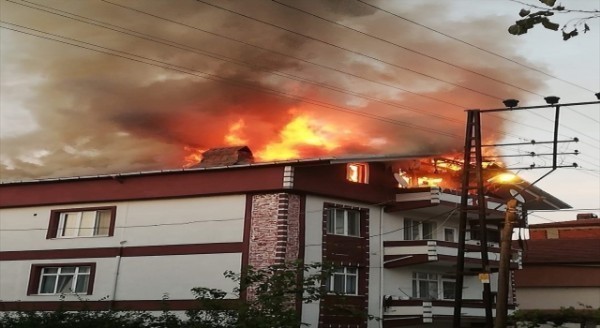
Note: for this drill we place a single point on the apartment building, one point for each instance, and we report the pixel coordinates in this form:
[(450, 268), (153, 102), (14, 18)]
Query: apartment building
[(124, 241)]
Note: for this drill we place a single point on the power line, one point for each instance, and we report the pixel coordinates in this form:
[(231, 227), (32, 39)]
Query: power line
[(195, 50), (348, 50), (312, 63), (217, 78), (475, 46), (401, 47), (404, 48), (488, 52)]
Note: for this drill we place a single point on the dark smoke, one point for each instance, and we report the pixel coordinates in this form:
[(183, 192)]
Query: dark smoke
[(94, 113)]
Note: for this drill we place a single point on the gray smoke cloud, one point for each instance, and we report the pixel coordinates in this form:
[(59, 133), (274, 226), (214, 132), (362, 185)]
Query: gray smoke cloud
[(86, 112)]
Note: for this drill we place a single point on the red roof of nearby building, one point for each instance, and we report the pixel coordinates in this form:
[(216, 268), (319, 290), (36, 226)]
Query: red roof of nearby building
[(567, 224), (567, 251)]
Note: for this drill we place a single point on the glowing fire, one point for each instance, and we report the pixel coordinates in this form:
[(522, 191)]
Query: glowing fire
[(302, 131), (234, 137), (193, 157)]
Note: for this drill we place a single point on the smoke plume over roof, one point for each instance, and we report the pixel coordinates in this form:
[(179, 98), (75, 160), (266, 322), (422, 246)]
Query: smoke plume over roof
[(194, 77)]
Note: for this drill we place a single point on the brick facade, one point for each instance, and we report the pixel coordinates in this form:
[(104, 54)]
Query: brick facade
[(274, 229)]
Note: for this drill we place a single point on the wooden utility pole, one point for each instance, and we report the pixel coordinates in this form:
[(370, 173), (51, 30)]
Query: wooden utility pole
[(504, 269)]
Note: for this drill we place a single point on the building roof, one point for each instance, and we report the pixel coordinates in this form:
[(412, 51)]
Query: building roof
[(567, 224), (562, 251), (217, 157), (233, 158)]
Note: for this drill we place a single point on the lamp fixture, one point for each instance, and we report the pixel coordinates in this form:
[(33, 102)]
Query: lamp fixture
[(551, 100), (510, 103)]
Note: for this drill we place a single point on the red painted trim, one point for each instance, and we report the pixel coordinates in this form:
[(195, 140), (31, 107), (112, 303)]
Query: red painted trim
[(142, 187), (135, 251), (55, 218), (412, 259), (36, 271), (133, 305)]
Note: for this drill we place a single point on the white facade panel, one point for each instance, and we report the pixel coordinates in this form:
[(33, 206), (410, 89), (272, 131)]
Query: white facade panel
[(140, 278), (143, 278), (217, 219)]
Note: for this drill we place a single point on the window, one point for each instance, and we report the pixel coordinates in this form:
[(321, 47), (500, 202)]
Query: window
[(82, 222), (357, 172), (344, 281), (432, 286), (61, 279), (419, 230), (425, 285), (341, 221), (449, 234), (448, 287), (492, 235)]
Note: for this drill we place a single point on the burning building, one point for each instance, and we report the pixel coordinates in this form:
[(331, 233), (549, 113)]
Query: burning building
[(388, 223)]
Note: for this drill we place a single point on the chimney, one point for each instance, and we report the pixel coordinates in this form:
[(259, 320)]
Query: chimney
[(226, 156), (586, 216)]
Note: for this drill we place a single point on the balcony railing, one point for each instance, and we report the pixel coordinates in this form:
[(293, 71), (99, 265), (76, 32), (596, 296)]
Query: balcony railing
[(408, 252), (415, 311)]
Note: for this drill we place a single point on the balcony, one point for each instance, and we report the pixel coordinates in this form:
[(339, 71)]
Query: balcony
[(410, 252), (398, 313)]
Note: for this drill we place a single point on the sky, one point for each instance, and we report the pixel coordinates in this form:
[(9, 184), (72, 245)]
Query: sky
[(107, 86)]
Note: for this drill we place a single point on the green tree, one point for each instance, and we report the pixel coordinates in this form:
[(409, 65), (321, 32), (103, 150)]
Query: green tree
[(535, 15), (272, 296)]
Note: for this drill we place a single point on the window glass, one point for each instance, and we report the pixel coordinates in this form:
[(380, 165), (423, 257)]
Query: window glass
[(102, 223), (71, 221), (59, 280), (428, 230), (88, 221), (82, 283), (84, 223), (449, 234), (425, 285), (339, 222), (353, 223), (47, 285), (345, 222), (448, 289)]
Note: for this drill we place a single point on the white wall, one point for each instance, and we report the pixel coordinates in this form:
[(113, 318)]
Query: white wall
[(201, 220), (546, 298), (140, 278), (150, 222)]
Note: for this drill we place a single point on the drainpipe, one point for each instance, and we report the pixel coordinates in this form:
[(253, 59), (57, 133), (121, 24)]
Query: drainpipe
[(381, 309), (114, 290)]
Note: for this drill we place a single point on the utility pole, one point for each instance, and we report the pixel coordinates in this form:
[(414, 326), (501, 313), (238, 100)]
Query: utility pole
[(504, 269), (473, 189)]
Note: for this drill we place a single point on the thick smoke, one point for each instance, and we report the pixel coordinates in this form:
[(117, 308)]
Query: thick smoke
[(93, 113)]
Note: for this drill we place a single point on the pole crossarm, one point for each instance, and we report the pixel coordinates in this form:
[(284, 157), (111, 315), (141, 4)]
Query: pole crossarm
[(504, 109)]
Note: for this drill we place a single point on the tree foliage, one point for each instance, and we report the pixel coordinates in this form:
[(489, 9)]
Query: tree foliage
[(536, 318), (536, 15)]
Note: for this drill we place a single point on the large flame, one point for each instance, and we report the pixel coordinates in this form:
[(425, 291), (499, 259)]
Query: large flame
[(300, 132)]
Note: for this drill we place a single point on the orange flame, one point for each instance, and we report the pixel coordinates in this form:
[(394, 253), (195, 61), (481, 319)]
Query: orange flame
[(193, 157), (234, 137), (300, 132)]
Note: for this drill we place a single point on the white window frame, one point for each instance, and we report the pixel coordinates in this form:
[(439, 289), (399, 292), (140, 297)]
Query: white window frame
[(432, 278), (453, 234), (60, 233), (77, 275), (347, 274), (332, 222), (413, 229)]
